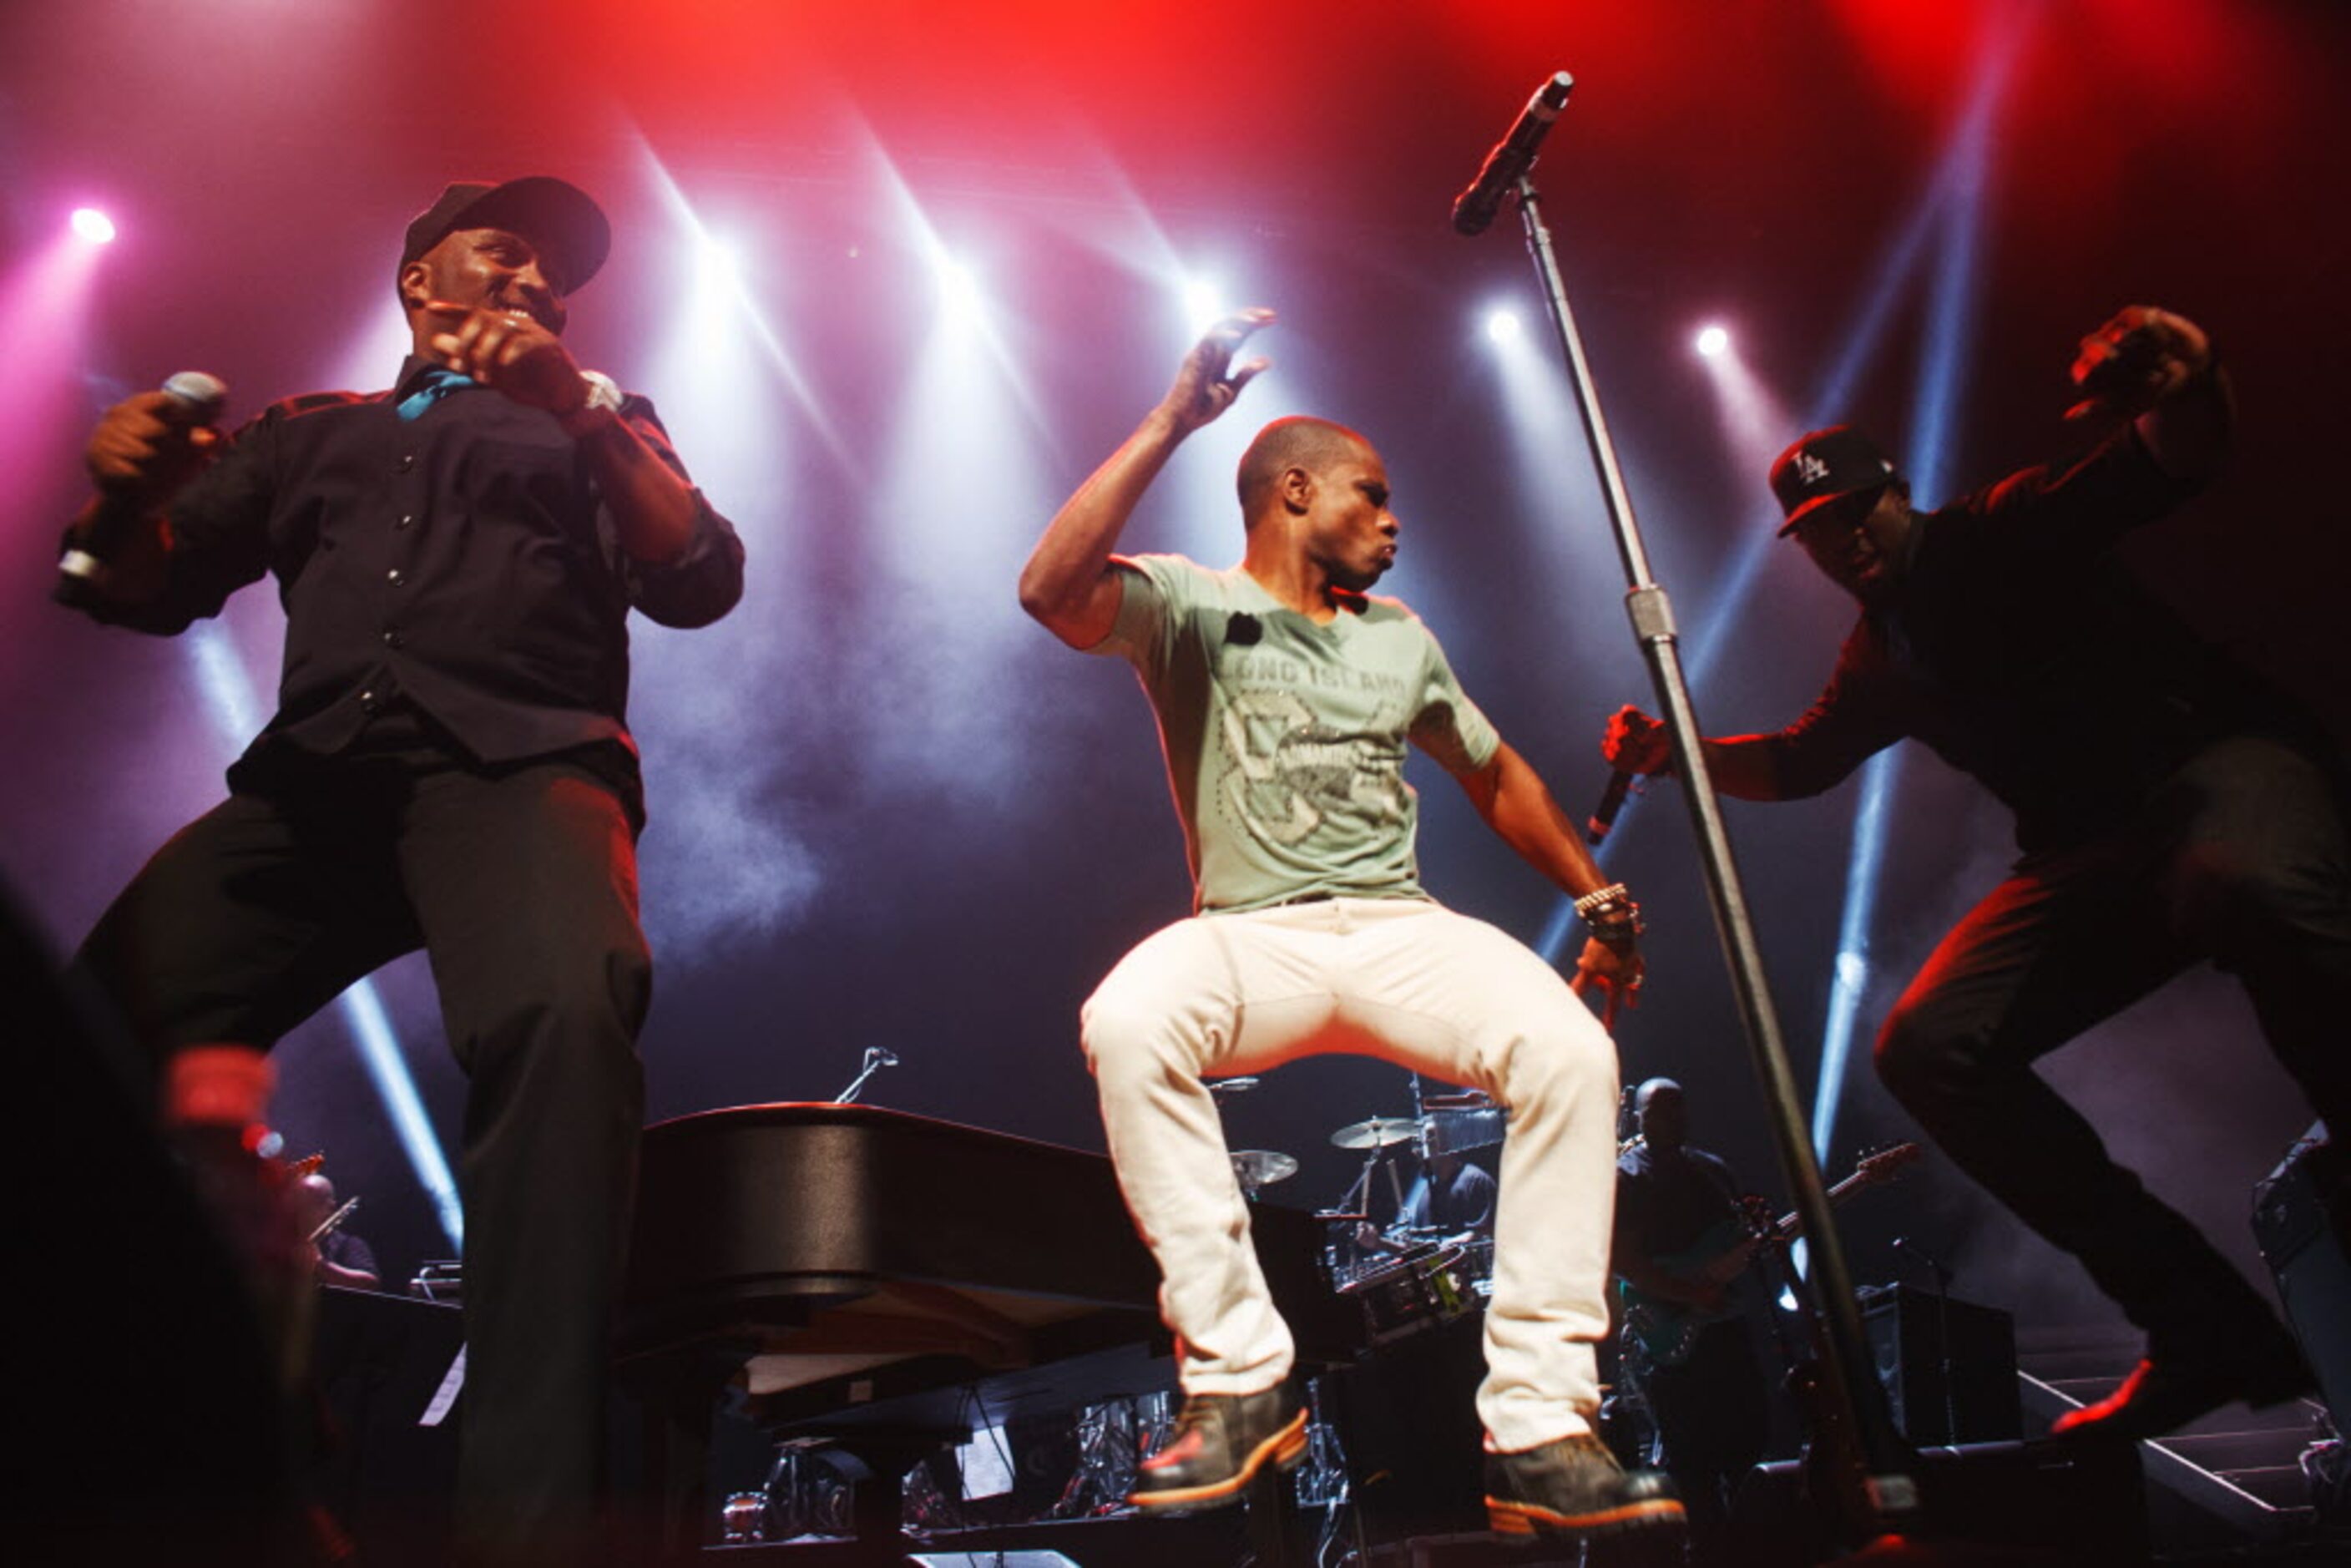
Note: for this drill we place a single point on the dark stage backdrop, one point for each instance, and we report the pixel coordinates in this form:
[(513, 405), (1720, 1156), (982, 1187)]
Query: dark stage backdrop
[(888, 811)]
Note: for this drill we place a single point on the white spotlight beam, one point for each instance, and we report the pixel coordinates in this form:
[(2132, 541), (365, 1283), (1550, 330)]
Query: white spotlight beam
[(749, 315)]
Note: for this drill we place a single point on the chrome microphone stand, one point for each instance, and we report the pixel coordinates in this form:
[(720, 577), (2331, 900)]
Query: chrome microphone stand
[(1849, 1377)]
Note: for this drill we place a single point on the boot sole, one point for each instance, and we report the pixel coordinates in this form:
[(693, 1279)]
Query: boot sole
[(1285, 1448), (1504, 1517)]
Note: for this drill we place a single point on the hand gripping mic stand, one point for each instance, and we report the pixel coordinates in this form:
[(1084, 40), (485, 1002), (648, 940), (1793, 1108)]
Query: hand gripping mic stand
[(1880, 1485)]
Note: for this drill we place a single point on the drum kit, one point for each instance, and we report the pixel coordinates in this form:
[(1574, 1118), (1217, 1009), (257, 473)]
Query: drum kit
[(1406, 1277)]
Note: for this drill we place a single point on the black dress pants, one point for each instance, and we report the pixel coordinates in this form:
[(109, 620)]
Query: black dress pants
[(2239, 857), (520, 885)]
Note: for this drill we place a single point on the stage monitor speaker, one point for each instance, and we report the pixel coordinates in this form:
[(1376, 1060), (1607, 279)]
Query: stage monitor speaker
[(1977, 1403), (378, 1363), (1406, 1417), (2304, 1249), (1990, 1502)]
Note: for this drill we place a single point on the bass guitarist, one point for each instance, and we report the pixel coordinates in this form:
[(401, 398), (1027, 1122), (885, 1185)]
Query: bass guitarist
[(1682, 1235)]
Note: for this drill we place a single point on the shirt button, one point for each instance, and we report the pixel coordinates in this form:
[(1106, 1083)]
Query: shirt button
[(395, 577), (369, 702), (407, 461), (392, 639), (405, 521)]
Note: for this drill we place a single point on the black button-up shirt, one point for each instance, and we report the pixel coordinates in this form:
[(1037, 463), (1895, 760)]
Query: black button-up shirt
[(2023, 653), (462, 560)]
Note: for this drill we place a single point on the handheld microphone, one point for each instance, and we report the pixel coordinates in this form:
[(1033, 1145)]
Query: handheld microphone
[(1511, 157), (199, 397), (204, 394), (1612, 800)]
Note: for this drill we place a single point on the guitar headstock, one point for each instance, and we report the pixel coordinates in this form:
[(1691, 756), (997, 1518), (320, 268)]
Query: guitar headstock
[(1885, 1164)]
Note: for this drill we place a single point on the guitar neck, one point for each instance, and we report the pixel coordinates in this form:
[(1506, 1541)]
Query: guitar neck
[(1791, 1222)]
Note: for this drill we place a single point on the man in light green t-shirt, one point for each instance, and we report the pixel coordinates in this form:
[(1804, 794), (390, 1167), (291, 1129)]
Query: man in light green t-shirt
[(1286, 695)]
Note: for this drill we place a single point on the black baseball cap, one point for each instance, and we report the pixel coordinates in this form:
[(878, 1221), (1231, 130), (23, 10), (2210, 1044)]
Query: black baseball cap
[(1828, 465), (556, 216)]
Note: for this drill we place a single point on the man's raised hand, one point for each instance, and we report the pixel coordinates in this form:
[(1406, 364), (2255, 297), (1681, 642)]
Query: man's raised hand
[(1207, 382), (510, 352), (2141, 356)]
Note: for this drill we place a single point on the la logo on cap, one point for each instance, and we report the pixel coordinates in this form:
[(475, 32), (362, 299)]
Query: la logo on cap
[(1811, 469)]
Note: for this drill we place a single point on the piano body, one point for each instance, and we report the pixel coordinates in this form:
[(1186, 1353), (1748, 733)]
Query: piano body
[(885, 1278)]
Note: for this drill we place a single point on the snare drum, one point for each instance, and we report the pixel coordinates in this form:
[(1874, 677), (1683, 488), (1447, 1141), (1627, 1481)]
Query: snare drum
[(1425, 1287)]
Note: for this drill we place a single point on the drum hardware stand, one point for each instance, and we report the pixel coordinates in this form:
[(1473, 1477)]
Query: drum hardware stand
[(1107, 1455), (1887, 1491), (1358, 1196)]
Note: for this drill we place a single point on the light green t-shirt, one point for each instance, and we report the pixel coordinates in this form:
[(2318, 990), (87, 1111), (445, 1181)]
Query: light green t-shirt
[(1285, 739)]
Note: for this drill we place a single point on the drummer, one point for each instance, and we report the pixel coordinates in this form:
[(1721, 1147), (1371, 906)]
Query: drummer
[(1453, 1198)]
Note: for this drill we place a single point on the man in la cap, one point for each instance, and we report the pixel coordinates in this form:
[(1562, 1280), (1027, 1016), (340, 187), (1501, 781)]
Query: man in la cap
[(2170, 806), (449, 767)]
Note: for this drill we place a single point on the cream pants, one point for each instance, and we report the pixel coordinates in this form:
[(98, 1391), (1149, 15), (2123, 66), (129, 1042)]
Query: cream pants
[(1410, 982)]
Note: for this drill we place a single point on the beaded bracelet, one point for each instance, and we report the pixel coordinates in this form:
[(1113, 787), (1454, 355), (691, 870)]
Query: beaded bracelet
[(1611, 915)]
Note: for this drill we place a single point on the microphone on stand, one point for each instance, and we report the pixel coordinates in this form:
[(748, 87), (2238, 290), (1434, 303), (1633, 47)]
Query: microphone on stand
[(1512, 156), (1909, 1248), (197, 399), (876, 1058), (1612, 800)]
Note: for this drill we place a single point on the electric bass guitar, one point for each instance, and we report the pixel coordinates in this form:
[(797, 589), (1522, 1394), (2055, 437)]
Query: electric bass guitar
[(1666, 1331)]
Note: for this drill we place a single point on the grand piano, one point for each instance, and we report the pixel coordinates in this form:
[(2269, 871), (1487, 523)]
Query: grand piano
[(891, 1280)]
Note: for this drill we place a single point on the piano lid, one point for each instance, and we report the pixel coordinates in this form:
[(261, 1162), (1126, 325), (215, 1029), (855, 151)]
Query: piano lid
[(828, 1233)]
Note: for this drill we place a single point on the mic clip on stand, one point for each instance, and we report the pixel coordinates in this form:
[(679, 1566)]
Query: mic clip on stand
[(1886, 1488), (876, 1058)]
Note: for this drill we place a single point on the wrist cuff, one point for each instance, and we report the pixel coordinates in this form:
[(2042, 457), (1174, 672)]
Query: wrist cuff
[(602, 410)]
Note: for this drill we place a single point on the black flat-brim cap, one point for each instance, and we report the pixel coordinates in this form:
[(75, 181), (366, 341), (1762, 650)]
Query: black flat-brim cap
[(556, 216), (1828, 465)]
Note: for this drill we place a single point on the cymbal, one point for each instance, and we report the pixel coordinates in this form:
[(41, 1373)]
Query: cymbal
[(1377, 1132), (1220, 1087), (1263, 1168)]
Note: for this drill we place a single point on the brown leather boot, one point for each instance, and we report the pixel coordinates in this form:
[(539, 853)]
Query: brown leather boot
[(1221, 1441)]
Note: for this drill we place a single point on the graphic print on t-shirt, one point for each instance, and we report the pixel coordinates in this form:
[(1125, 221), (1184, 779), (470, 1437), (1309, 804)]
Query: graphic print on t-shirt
[(1287, 770), (1285, 737)]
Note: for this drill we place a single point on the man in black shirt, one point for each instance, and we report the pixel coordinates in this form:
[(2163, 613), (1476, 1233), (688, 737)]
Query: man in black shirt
[(449, 767), (1681, 1233), (1456, 1196), (2170, 806)]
